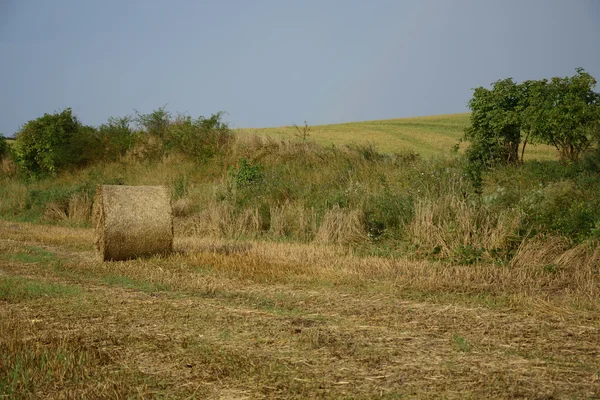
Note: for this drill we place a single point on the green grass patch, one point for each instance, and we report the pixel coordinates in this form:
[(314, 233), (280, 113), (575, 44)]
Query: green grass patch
[(16, 289), (462, 344), (31, 254)]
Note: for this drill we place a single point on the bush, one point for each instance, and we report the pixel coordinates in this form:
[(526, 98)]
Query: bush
[(3, 147), (386, 213), (115, 138), (54, 142), (563, 208), (200, 138), (246, 174)]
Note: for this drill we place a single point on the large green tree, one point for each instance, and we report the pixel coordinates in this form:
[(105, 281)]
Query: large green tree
[(563, 112), (496, 121)]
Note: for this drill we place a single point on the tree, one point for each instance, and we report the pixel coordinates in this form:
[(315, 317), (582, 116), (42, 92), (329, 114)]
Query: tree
[(563, 112), (495, 131), (496, 121)]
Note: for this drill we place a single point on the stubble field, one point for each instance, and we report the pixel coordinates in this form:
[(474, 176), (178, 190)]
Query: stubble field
[(250, 319)]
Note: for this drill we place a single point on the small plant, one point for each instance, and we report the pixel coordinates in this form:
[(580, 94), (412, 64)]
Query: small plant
[(180, 187), (302, 133), (551, 268), (462, 343), (246, 174), (467, 255)]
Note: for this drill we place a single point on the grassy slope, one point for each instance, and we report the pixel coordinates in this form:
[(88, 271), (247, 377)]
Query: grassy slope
[(428, 136)]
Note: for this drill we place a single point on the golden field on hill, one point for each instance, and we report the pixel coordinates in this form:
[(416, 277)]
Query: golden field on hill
[(428, 136)]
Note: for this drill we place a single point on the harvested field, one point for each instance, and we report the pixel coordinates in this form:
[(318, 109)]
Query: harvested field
[(242, 319)]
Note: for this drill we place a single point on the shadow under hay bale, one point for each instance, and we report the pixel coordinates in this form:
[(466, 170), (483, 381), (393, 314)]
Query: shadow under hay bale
[(132, 221)]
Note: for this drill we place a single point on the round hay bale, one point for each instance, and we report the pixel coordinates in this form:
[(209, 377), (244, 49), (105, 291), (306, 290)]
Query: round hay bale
[(132, 221)]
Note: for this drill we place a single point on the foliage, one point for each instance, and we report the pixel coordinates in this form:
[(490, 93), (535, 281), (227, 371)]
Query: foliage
[(591, 159), (54, 142), (495, 131), (199, 138), (387, 212), (156, 123), (496, 121), (563, 112), (3, 146), (115, 137), (246, 174), (565, 208)]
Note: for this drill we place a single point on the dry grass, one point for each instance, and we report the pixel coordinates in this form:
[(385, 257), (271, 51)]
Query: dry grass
[(450, 223), (251, 319), (77, 210), (7, 166), (293, 220), (342, 226), (219, 220)]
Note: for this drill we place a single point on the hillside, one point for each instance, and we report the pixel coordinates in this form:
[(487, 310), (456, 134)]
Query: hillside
[(428, 136), (301, 270)]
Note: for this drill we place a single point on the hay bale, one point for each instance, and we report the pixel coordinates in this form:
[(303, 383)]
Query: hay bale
[(132, 221)]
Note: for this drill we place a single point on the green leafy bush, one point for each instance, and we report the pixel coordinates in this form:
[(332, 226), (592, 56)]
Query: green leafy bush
[(115, 138), (246, 174), (3, 147), (386, 213), (564, 208), (54, 142), (198, 138), (156, 123)]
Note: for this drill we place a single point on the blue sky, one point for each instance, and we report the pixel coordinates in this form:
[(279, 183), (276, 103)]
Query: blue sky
[(278, 62)]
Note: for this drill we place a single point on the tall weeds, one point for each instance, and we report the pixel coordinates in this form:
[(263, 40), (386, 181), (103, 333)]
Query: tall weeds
[(450, 225), (282, 190)]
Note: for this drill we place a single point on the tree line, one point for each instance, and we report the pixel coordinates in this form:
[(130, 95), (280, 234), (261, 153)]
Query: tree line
[(60, 141)]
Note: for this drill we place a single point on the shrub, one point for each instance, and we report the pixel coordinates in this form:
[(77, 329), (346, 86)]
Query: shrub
[(564, 208), (386, 213), (115, 138), (246, 174), (54, 142), (156, 123), (3, 147), (199, 138)]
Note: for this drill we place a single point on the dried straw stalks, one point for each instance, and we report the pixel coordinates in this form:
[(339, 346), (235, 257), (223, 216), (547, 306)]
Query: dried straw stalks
[(132, 221)]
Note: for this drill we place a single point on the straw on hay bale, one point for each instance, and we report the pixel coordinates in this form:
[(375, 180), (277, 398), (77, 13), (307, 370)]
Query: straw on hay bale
[(132, 221)]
